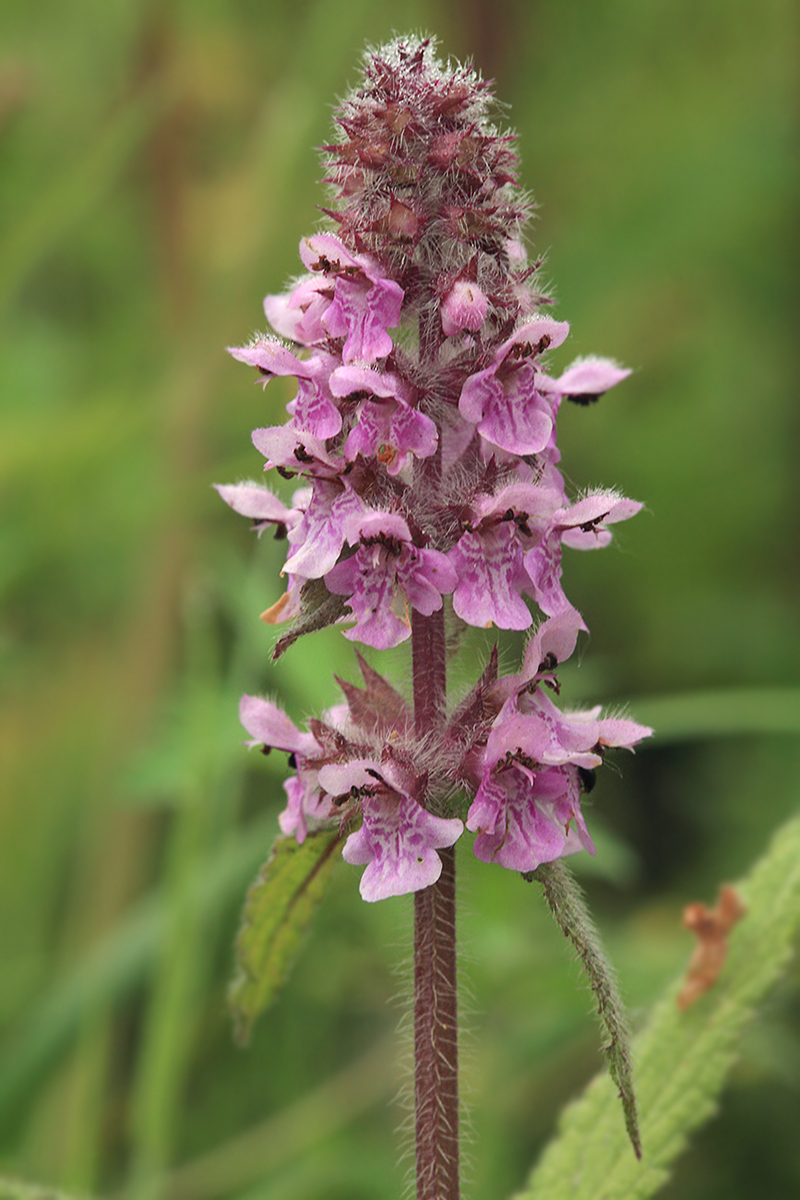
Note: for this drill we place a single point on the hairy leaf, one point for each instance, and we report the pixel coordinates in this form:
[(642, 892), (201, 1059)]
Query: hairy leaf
[(277, 913), (318, 610), (682, 1058), (565, 901)]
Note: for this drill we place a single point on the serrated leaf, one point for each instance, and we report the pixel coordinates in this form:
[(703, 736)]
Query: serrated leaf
[(682, 1058), (277, 913)]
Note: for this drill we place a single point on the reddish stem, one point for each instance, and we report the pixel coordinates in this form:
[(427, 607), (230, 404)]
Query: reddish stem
[(429, 665), (435, 1001)]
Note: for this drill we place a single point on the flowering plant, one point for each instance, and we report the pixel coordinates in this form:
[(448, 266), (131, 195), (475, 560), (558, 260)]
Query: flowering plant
[(423, 440)]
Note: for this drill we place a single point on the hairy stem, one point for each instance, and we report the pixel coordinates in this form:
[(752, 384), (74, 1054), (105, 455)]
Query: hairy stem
[(429, 659), (435, 1003)]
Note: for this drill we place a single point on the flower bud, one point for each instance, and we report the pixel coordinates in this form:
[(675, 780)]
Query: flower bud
[(464, 307)]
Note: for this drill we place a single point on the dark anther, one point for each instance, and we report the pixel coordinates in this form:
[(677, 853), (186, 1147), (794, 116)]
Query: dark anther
[(588, 778), (584, 399), (591, 526)]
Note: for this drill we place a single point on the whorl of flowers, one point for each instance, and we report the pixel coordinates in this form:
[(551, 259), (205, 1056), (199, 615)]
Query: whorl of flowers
[(423, 438)]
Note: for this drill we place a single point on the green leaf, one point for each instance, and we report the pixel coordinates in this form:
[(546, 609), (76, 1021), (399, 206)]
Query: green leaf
[(726, 712), (681, 1058), (565, 900), (15, 1189), (277, 913), (116, 967)]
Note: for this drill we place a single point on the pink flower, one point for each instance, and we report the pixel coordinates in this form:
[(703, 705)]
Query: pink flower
[(307, 805), (464, 307), (366, 303), (317, 539), (312, 408), (384, 425), (527, 809), (385, 576), (504, 400), (552, 643), (488, 557), (583, 526), (298, 315), (527, 817), (398, 838), (587, 378), (257, 502)]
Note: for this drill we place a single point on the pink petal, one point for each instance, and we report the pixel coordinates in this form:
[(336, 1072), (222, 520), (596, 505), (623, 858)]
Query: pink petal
[(269, 726), (488, 569), (590, 377), (398, 842)]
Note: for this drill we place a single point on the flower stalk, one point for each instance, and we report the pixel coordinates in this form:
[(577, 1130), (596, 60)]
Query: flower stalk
[(422, 448), (435, 981), (436, 1036)]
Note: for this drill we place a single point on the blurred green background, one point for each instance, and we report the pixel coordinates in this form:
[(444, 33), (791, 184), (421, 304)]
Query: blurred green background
[(157, 171)]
